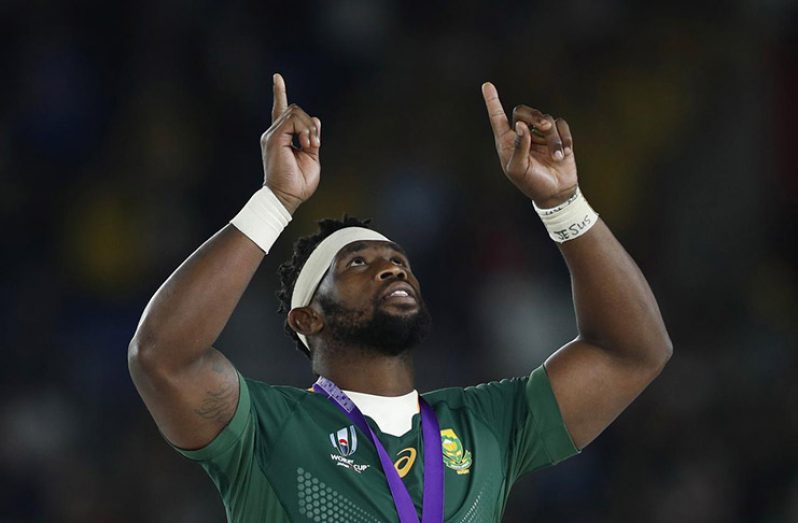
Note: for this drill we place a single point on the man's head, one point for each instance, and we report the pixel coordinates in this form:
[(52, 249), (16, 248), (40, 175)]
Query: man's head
[(368, 297)]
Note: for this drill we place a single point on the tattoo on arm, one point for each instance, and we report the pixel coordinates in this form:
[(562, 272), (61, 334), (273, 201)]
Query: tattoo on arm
[(217, 404)]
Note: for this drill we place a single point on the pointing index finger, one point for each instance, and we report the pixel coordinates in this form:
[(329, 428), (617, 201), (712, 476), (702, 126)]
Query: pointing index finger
[(498, 119), (280, 97)]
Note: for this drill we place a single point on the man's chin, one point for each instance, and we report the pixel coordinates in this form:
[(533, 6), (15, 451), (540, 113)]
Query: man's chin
[(392, 328), (400, 309)]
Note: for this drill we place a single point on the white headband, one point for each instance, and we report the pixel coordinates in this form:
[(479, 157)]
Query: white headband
[(319, 261)]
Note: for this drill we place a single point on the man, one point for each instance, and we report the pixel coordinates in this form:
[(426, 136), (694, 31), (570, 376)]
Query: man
[(355, 307)]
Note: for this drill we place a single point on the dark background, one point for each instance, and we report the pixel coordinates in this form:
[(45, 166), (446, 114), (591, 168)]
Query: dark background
[(129, 134)]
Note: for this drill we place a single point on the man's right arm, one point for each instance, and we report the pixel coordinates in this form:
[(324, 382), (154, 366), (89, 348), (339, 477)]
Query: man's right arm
[(189, 387)]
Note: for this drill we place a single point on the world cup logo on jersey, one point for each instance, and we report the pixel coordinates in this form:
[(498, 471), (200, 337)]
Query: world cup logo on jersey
[(344, 441)]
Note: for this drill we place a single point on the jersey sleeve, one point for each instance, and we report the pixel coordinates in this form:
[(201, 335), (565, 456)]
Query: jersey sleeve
[(230, 459), (543, 439), (237, 434), (524, 416)]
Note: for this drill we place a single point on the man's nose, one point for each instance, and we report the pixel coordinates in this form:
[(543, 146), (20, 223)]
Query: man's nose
[(391, 270)]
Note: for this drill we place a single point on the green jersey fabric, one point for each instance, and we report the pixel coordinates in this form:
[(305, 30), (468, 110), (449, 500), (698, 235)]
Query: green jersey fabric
[(289, 454)]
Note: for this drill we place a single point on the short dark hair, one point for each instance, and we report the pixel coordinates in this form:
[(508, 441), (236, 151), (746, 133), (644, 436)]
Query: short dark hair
[(289, 271)]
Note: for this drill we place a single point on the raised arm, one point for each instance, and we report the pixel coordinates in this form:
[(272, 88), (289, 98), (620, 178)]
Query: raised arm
[(622, 343), (189, 387)]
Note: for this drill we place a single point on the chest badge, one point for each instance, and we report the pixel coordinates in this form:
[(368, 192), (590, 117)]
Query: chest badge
[(454, 455), (344, 441)]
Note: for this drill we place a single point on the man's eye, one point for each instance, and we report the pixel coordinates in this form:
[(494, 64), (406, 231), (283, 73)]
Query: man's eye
[(358, 260), (399, 261)]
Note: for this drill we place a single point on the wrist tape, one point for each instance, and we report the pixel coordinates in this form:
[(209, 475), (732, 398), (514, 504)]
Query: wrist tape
[(569, 220), (262, 219)]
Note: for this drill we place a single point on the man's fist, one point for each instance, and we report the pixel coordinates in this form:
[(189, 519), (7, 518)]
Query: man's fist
[(536, 153), (292, 173)]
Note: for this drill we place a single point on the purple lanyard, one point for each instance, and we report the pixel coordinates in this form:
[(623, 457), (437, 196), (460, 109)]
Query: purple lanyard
[(432, 508)]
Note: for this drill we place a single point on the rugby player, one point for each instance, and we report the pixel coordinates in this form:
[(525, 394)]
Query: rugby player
[(362, 444)]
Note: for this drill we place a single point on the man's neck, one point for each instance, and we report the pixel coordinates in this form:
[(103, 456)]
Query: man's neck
[(364, 371)]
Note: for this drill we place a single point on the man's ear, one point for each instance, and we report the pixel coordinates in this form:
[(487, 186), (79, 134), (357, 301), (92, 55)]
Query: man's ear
[(305, 320)]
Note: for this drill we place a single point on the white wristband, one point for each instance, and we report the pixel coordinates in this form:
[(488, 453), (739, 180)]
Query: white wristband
[(570, 219), (262, 219)]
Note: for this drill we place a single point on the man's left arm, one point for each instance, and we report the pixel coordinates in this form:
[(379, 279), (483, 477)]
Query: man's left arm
[(622, 343)]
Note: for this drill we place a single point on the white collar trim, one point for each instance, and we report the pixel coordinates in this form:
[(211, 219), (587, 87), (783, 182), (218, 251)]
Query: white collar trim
[(393, 414)]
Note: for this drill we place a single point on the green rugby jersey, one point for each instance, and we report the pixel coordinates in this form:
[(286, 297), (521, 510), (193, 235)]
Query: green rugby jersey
[(289, 454)]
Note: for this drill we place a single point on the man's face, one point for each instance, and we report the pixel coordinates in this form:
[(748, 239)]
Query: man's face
[(371, 299)]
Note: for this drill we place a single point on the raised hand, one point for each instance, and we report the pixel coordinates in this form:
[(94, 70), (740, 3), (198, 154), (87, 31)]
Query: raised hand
[(292, 173), (536, 153)]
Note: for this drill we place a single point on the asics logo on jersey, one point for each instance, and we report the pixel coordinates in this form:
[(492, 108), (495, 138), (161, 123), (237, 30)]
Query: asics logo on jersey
[(344, 440), (407, 457)]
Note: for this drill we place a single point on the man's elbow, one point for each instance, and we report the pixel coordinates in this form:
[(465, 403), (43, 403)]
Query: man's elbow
[(660, 353), (143, 356), (160, 359)]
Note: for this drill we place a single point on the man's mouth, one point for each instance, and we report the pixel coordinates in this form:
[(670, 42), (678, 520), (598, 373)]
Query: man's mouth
[(400, 293)]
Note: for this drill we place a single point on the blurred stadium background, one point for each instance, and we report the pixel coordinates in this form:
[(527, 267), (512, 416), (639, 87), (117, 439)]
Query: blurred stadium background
[(129, 134)]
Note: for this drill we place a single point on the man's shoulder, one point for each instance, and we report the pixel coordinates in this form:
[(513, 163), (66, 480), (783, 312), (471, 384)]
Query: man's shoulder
[(262, 391), (451, 396), (459, 397)]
